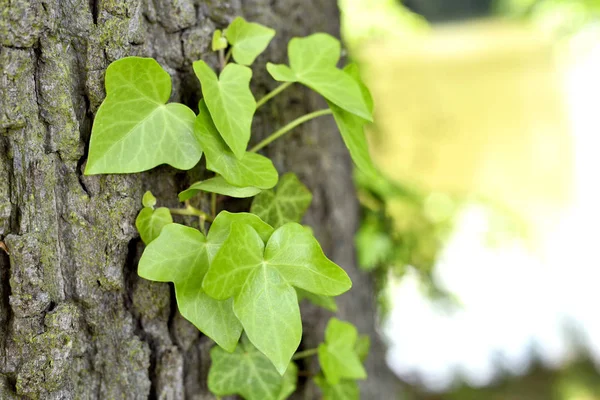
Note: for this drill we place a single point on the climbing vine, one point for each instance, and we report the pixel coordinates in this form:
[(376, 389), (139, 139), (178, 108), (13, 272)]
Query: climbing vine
[(240, 280)]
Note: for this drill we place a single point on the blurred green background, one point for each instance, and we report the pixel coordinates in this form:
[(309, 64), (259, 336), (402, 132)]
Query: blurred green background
[(481, 228)]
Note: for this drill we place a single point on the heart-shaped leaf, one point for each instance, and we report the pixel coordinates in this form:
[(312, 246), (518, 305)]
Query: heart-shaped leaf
[(338, 355), (247, 372), (134, 130), (218, 41), (150, 222), (220, 186), (287, 203), (248, 40), (251, 170), (181, 255), (261, 278), (313, 62), (344, 390), (230, 102)]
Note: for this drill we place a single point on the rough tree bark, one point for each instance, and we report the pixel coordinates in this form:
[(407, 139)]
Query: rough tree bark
[(75, 320)]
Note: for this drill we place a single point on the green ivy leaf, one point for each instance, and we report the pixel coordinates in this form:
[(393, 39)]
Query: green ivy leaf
[(218, 41), (181, 255), (351, 127), (247, 372), (325, 302), (344, 390), (338, 356), (287, 203), (148, 199), (150, 222), (251, 170), (220, 186), (248, 39), (261, 278), (230, 102), (313, 62), (134, 130)]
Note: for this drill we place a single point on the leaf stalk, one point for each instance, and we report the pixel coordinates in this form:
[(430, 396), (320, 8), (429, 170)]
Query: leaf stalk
[(298, 121), (305, 354), (273, 93)]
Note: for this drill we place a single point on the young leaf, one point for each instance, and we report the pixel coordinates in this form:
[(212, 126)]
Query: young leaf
[(287, 204), (261, 278), (325, 302), (230, 102), (247, 372), (150, 222), (134, 130), (148, 200), (313, 62), (251, 170), (218, 41), (180, 255), (338, 355), (220, 186), (344, 390), (248, 40)]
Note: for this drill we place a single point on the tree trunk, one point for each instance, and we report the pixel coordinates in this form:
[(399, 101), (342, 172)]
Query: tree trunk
[(76, 322)]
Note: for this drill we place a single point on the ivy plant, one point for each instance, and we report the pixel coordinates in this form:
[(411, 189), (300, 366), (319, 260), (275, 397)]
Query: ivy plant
[(239, 277)]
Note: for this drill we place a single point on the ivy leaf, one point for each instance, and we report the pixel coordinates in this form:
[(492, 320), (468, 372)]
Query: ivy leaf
[(220, 186), (251, 170), (248, 39), (247, 372), (344, 390), (150, 222), (353, 70), (218, 41), (287, 204), (338, 355), (180, 255), (134, 130), (313, 62), (148, 199), (230, 102), (325, 302), (260, 278)]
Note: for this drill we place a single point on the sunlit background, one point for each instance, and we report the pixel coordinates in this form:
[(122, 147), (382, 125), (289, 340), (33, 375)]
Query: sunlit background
[(483, 229)]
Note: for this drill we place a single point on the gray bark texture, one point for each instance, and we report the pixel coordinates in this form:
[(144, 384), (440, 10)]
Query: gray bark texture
[(76, 322)]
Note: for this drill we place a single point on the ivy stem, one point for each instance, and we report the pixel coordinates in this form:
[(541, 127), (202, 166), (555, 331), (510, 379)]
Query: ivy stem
[(304, 354), (289, 127), (192, 211), (273, 93), (222, 59), (213, 205), (228, 55)]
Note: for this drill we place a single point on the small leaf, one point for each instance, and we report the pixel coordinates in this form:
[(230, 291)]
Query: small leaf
[(220, 186), (325, 302), (150, 222), (180, 255), (313, 62), (287, 204), (261, 277), (230, 102), (344, 390), (251, 170), (248, 39), (338, 356), (218, 41), (148, 200), (248, 373), (134, 130)]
